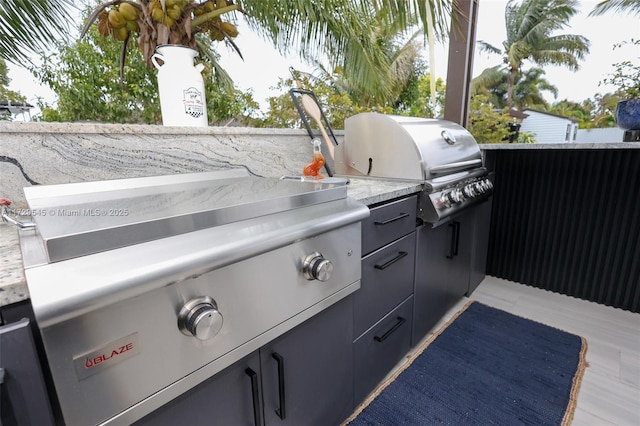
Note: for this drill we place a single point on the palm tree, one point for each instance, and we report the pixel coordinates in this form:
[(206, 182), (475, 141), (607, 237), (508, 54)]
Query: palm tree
[(335, 29), (355, 35), (530, 36), (632, 6), (527, 89), (29, 25), (400, 63)]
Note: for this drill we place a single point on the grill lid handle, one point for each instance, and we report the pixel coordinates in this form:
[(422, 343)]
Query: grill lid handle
[(452, 167)]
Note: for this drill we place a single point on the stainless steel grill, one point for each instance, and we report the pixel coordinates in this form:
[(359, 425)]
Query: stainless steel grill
[(442, 155), (143, 288)]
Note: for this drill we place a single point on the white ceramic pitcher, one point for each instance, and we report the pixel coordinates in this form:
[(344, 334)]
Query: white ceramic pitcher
[(180, 85)]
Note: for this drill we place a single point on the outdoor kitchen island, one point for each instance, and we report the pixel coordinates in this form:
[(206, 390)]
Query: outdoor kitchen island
[(53, 146), (16, 305)]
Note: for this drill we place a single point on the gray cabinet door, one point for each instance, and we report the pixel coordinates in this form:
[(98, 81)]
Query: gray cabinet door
[(231, 397), (462, 232), (481, 226), (443, 270), (23, 395), (431, 293), (307, 374)]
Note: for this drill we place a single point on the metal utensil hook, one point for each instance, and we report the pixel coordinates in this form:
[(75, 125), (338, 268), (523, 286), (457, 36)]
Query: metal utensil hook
[(7, 218)]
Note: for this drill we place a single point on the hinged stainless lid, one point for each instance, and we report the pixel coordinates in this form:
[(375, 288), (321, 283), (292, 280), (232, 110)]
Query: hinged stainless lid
[(78, 219), (406, 148)]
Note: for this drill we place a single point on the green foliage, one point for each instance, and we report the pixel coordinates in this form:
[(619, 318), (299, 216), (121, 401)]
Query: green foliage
[(29, 25), (224, 107), (86, 78), (532, 35), (626, 75), (525, 137), (485, 123), (339, 104), (527, 89), (599, 112), (630, 6), (355, 35), (415, 99), (336, 105), (5, 93)]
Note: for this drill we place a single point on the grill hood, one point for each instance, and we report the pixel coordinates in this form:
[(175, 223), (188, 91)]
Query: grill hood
[(406, 148), (441, 155)]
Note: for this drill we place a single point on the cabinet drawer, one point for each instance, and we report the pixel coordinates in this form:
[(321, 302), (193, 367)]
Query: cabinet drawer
[(381, 348), (387, 279), (388, 222)]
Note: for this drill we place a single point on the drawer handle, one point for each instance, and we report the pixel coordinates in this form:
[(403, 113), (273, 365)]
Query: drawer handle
[(255, 396), (393, 219), (385, 265), (281, 412), (455, 240), (390, 331)]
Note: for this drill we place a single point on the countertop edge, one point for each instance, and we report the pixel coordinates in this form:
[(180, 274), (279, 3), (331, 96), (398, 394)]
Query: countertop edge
[(13, 284)]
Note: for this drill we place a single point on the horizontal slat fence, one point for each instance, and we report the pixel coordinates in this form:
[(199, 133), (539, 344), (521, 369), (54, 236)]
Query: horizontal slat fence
[(568, 221)]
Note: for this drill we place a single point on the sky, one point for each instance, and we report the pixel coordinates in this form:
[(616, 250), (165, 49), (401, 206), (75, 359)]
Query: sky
[(263, 65)]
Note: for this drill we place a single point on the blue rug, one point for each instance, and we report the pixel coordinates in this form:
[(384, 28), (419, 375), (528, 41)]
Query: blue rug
[(485, 367)]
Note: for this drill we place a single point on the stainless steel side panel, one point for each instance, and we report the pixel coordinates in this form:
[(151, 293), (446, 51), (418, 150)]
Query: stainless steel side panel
[(138, 291)]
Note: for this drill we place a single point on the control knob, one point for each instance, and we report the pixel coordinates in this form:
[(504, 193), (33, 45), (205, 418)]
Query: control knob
[(200, 318), (316, 267), (443, 202), (488, 184), (469, 191), (455, 196)]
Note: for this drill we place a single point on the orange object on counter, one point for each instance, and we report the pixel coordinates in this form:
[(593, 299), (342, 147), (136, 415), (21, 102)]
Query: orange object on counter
[(313, 168)]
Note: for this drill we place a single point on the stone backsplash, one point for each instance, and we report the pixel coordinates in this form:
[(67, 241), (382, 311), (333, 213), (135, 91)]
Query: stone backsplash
[(53, 153)]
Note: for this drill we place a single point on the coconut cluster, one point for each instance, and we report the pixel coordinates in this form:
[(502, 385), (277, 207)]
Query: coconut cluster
[(158, 22)]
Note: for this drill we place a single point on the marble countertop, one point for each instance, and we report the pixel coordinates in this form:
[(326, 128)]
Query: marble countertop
[(13, 286)]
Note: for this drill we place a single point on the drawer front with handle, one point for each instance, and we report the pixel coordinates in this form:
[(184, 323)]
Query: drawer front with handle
[(388, 223), (378, 351), (387, 279)]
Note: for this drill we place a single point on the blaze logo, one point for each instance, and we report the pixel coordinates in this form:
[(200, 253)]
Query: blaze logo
[(89, 363), (110, 354)]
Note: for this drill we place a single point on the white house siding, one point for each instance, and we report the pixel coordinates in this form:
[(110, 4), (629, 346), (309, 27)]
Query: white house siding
[(548, 128), (609, 134)]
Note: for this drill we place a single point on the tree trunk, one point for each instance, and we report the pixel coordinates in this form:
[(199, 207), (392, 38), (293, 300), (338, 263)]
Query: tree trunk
[(510, 83)]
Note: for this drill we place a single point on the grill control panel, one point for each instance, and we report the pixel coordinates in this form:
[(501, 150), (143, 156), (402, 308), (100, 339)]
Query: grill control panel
[(466, 190)]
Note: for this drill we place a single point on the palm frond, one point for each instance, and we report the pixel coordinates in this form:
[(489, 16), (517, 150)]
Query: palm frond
[(27, 26), (621, 6), (483, 46), (341, 30), (222, 78)]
